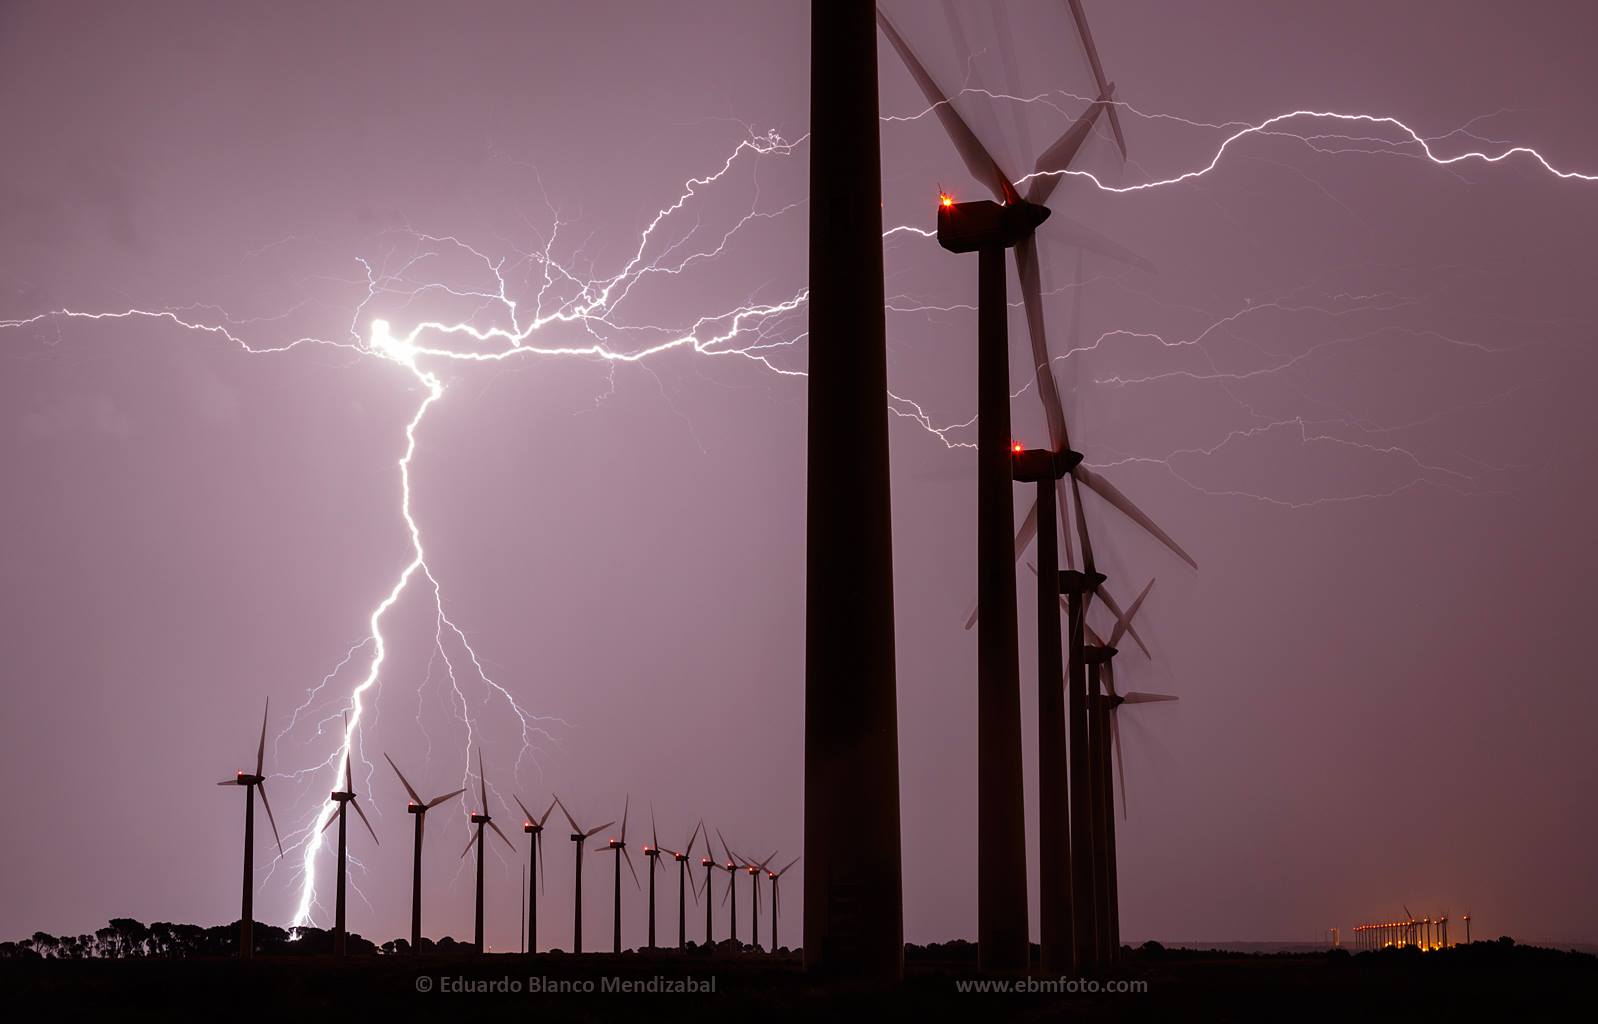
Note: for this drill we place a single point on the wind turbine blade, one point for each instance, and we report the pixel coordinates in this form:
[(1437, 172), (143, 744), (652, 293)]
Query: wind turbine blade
[(732, 880), (1059, 156), (357, 805), (1006, 43), (1066, 230), (1104, 595), (1086, 35), (1122, 622), (469, 842), (977, 159), (625, 807), (1082, 532), (538, 849), (1028, 530), (440, 799), (260, 751), (689, 849), (1026, 269), (597, 828), (1023, 537), (482, 779), (693, 885), (527, 815), (568, 814), (330, 819), (403, 781), (1110, 493), (724, 846), (1120, 766), (267, 805), (628, 857), (654, 833), (502, 835), (1146, 698), (229, 782), (786, 866), (1093, 637), (547, 812), (982, 115)]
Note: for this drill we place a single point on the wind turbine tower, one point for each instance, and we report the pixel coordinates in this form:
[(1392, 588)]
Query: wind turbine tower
[(854, 915)]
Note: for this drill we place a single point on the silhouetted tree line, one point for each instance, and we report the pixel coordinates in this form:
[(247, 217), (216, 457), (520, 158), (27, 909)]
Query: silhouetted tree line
[(125, 938)]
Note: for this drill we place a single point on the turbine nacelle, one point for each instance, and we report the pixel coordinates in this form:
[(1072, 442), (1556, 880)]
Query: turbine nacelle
[(1096, 655), (616, 844), (480, 819), (246, 779), (1074, 582), (412, 807), (531, 829), (984, 224), (1035, 465)]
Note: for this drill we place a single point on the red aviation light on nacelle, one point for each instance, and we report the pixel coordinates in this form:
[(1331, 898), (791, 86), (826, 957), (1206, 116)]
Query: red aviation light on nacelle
[(1015, 447), (945, 199)]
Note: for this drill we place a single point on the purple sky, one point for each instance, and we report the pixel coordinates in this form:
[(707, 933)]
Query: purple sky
[(1356, 390)]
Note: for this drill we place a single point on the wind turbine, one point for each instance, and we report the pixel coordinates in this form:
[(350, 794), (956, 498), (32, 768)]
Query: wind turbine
[(989, 229), (534, 826), (619, 848), (708, 862), (251, 783), (731, 867), (854, 914), (1465, 918), (344, 799), (681, 857), (1105, 734), (754, 868), (776, 899), (579, 836), (480, 818), (418, 807)]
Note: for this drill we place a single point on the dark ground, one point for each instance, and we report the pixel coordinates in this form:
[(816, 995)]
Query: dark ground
[(1496, 979)]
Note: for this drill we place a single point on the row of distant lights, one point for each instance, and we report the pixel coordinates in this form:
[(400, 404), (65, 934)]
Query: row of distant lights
[(1400, 925)]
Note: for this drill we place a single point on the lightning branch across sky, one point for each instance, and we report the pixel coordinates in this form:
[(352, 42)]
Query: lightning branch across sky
[(575, 315)]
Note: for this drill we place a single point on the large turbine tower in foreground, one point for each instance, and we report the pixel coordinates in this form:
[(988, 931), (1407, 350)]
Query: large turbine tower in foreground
[(854, 917)]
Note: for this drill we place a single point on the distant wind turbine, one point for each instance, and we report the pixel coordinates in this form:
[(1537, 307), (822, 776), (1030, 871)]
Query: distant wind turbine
[(579, 837), (776, 898), (683, 881), (345, 799), (252, 783), (534, 826), (418, 807), (480, 818), (619, 848)]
